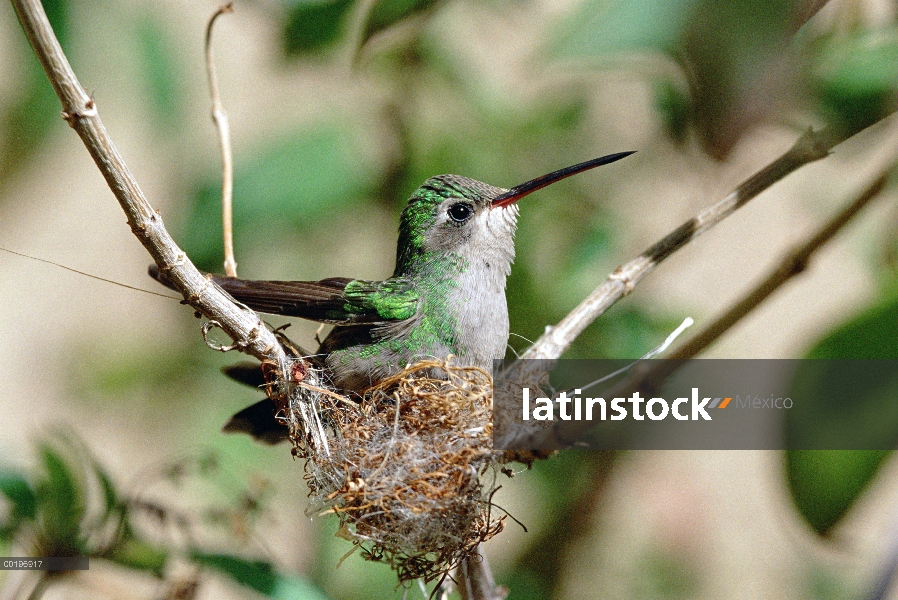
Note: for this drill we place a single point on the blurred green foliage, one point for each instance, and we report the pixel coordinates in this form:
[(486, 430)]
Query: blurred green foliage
[(734, 64), (825, 483), (569, 486), (68, 507), (725, 51), (260, 576), (24, 122), (71, 507), (23, 500), (353, 577), (669, 577), (302, 181), (384, 13), (160, 66), (856, 75), (312, 25), (598, 28)]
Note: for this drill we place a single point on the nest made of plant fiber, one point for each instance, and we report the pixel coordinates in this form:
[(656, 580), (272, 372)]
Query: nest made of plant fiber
[(410, 470)]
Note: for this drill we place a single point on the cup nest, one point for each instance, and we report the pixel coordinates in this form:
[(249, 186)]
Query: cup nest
[(409, 470)]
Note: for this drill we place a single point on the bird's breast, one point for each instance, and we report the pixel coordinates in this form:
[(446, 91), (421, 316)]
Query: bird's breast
[(480, 311)]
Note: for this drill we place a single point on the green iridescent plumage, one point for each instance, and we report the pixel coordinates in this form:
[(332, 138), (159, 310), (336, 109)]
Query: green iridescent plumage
[(446, 295), (394, 299)]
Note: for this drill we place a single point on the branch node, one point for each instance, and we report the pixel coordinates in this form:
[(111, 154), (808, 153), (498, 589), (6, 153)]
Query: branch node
[(253, 334), (194, 296), (624, 279), (72, 117), (797, 263), (811, 146)]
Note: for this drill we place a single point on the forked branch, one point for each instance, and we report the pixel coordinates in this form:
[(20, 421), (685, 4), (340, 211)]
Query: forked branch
[(565, 433), (810, 147), (79, 109)]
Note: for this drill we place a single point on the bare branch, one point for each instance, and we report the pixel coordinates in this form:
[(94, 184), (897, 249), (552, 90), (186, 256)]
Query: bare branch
[(224, 141), (476, 580), (810, 147), (793, 263), (803, 11), (564, 433), (79, 109)]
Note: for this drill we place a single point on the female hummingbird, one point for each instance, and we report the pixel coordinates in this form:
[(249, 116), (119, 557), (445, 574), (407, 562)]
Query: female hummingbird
[(446, 294)]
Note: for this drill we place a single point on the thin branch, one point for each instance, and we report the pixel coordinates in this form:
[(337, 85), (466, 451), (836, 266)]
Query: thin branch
[(564, 433), (810, 147), (79, 109), (476, 580), (549, 553), (804, 11), (43, 584), (224, 141), (793, 264)]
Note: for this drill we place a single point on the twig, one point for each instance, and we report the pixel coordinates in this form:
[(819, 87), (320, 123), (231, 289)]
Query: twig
[(224, 140), (792, 264), (810, 147), (476, 580), (803, 11), (550, 552), (43, 584), (80, 111), (564, 433)]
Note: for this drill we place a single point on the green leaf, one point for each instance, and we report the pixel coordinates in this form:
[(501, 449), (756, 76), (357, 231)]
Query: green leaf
[(298, 182), (386, 13), (857, 77), (260, 576), (601, 27), (825, 483), (313, 25), (675, 108), (61, 504), (138, 554), (28, 119), (160, 69), (18, 491), (872, 334), (110, 496)]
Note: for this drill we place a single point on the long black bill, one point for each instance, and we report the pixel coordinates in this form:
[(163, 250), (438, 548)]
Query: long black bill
[(519, 191)]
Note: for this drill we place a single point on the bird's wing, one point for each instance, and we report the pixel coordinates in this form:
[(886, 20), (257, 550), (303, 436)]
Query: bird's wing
[(337, 300)]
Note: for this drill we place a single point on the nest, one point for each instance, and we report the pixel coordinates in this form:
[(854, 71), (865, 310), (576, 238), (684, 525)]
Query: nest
[(409, 470)]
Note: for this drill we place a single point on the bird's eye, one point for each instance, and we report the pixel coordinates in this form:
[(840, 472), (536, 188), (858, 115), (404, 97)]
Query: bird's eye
[(460, 212)]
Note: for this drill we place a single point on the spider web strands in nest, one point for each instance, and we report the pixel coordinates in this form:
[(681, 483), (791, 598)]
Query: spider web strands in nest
[(301, 400), (410, 470)]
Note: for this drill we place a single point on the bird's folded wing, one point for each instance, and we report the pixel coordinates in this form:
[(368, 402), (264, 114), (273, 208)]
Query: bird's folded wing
[(336, 300)]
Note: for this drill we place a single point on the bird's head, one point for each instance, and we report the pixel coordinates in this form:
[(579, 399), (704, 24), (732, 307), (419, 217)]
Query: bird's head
[(450, 214)]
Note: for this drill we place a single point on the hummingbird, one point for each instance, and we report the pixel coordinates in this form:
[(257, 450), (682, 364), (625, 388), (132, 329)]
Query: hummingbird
[(446, 295)]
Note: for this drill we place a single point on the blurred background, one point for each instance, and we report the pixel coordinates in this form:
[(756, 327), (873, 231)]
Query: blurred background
[(111, 405)]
